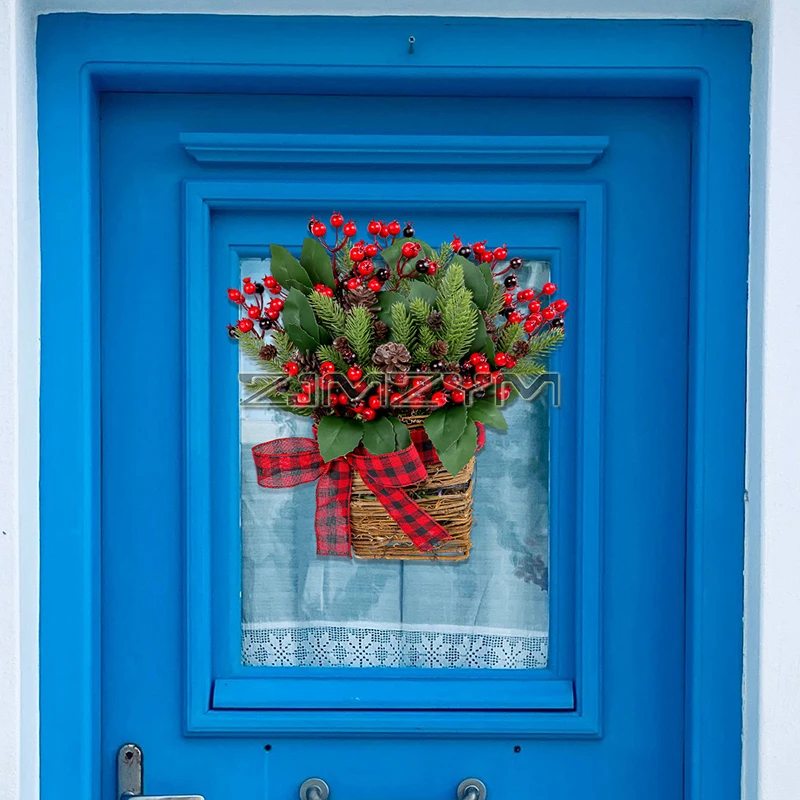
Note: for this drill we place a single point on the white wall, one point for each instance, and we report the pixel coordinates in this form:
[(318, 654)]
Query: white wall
[(772, 630)]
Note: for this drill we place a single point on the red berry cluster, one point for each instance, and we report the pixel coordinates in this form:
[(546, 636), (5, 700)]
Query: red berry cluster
[(259, 313)]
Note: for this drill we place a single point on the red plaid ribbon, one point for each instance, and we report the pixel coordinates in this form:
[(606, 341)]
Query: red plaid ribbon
[(289, 462)]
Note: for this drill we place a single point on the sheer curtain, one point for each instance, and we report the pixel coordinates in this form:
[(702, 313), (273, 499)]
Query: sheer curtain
[(490, 611)]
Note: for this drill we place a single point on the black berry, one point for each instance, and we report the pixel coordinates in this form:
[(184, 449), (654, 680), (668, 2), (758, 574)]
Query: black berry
[(408, 231), (465, 251), (438, 366), (478, 394), (382, 274), (265, 323), (516, 262), (422, 266), (260, 288), (510, 281), (507, 311), (350, 358), (557, 323)]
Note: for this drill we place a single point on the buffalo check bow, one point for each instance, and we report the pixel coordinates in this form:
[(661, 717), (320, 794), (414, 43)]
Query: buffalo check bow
[(289, 462)]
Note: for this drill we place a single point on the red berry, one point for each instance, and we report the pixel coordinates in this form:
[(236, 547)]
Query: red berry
[(371, 250), (235, 296), (327, 367), (402, 379), (534, 307), (301, 399), (560, 306), (254, 312), (375, 401), (319, 229), (272, 313), (497, 377), (450, 382), (353, 283), (476, 358), (456, 244), (395, 398), (319, 287), (328, 291), (432, 267), (337, 220), (308, 387), (511, 362), (394, 227), (375, 285), (368, 414), (269, 281), (549, 288), (277, 303), (439, 398), (487, 257), (500, 253), (366, 268), (467, 383), (502, 393), (457, 396), (355, 373), (357, 253), (515, 317), (276, 289), (479, 248), (482, 369), (410, 249), (343, 399), (549, 313), (374, 227), (500, 359), (291, 368), (245, 325), (484, 379), (525, 295), (384, 232), (530, 325), (508, 299), (350, 229), (249, 288), (359, 405)]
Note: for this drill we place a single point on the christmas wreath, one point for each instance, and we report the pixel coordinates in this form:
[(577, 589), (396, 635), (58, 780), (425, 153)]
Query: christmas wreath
[(400, 353)]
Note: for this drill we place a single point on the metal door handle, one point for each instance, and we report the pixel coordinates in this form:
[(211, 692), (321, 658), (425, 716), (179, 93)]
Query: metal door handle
[(317, 789), (130, 777)]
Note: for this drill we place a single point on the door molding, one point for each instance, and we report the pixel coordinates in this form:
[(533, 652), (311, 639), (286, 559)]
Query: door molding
[(80, 56)]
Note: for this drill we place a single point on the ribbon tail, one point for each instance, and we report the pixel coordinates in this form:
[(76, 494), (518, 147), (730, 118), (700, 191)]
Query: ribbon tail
[(423, 530), (332, 519)]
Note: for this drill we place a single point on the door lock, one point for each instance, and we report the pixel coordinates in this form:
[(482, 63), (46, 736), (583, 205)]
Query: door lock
[(130, 777), (317, 789)]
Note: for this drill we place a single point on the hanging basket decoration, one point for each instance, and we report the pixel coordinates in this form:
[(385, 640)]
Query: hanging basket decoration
[(401, 354)]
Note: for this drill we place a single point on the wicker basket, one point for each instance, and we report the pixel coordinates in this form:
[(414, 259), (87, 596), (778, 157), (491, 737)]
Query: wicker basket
[(447, 498)]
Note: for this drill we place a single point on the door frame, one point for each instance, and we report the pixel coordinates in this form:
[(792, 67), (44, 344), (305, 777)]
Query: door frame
[(80, 56)]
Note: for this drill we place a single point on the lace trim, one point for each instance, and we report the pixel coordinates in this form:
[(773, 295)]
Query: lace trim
[(345, 646)]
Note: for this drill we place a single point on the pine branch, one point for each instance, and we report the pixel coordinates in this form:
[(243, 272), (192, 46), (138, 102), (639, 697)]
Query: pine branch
[(543, 345), (328, 312), (280, 399), (402, 326), (425, 337), (496, 303), (509, 333), (459, 314), (327, 353), (251, 345), (360, 332), (285, 346), (528, 366)]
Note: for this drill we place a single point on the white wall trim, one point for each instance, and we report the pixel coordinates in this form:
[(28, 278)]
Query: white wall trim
[(772, 633)]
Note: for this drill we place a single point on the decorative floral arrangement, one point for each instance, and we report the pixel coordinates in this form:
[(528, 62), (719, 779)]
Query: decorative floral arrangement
[(401, 353)]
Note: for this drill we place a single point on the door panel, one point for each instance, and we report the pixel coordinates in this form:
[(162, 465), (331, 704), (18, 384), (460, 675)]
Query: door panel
[(168, 371)]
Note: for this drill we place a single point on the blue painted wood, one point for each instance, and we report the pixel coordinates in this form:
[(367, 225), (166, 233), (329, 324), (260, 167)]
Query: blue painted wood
[(405, 150), (82, 55)]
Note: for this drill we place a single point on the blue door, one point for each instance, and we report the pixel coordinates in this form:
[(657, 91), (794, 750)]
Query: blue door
[(550, 662)]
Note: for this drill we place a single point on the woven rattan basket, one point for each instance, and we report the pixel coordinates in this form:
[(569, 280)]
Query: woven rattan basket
[(447, 498)]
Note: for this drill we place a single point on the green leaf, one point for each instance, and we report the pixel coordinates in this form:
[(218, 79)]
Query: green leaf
[(301, 324), (316, 261), (392, 253), (445, 426), (338, 436), (401, 433), (379, 436), (456, 457), (482, 343), (386, 300), (474, 281), (488, 413), (488, 279), (422, 291), (287, 270)]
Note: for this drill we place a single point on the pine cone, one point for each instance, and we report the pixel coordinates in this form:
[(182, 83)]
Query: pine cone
[(439, 349), (381, 331), (340, 344), (392, 357), (317, 414), (491, 326), (435, 320), (362, 296), (308, 362), (453, 366), (520, 348), (268, 352)]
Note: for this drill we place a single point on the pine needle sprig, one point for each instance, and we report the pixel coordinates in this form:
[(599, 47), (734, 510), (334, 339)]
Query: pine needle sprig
[(251, 346), (496, 303), (328, 353), (425, 337), (509, 333), (328, 312), (459, 314), (359, 330), (545, 344), (285, 346), (403, 326)]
